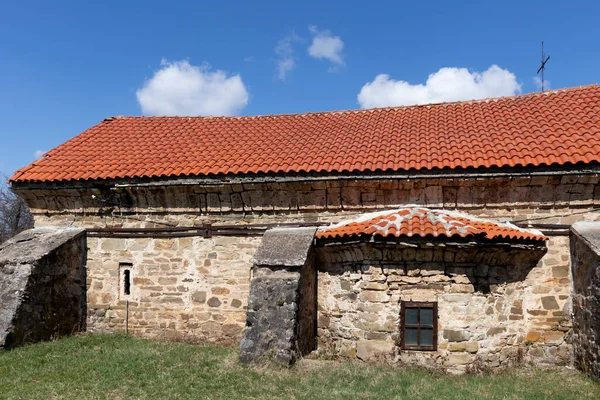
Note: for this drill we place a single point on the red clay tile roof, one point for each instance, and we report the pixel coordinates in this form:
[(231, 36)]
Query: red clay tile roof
[(419, 221), (555, 127)]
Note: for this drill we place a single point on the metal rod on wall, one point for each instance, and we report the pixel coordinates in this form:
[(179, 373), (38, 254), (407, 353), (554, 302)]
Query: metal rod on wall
[(127, 317)]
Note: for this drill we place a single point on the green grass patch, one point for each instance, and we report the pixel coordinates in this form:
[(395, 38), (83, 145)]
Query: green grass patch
[(122, 367)]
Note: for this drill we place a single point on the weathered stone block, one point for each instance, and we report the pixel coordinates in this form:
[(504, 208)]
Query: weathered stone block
[(170, 300), (376, 286), (550, 303), (495, 331), (429, 269), (220, 291), (214, 302), (553, 337), (457, 346), (167, 280), (453, 335), (323, 321), (166, 244), (231, 330), (347, 349), (560, 272), (411, 279), (110, 265), (459, 359), (436, 279), (42, 285), (374, 296), (533, 336), (142, 281), (285, 247), (236, 303), (472, 347), (459, 288), (374, 349), (113, 244), (199, 297)]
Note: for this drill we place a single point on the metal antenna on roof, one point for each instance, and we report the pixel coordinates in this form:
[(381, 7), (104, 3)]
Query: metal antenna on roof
[(543, 66)]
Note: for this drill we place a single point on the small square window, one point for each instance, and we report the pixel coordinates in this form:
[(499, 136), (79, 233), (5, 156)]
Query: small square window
[(418, 325)]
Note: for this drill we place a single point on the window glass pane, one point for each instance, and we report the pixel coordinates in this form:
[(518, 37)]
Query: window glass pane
[(412, 316), (426, 316), (411, 338), (426, 337)]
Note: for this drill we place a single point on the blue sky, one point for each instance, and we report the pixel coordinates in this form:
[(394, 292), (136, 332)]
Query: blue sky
[(65, 66)]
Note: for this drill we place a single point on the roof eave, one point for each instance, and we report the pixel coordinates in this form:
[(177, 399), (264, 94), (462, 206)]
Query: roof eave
[(219, 180)]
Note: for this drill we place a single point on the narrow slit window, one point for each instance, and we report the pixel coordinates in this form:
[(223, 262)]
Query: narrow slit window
[(126, 281), (125, 269), (418, 325)]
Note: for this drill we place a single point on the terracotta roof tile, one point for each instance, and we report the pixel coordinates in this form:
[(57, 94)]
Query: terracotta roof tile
[(419, 221), (554, 127)]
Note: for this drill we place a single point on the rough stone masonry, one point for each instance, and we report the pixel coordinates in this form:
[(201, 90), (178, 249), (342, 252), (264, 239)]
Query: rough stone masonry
[(485, 311), (42, 285), (585, 256), (282, 313), (196, 288)]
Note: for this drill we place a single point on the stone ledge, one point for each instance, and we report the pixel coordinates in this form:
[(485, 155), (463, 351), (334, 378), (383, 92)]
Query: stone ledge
[(589, 232), (28, 246), (284, 247)]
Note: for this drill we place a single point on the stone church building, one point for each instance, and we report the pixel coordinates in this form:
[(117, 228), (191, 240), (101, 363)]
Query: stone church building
[(434, 235)]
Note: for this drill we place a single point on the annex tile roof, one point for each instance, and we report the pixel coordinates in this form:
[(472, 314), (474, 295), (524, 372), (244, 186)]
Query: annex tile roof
[(418, 221), (554, 127)]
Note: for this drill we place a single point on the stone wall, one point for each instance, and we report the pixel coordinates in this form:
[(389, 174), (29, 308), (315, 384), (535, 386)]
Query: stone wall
[(282, 307), (190, 289), (552, 199), (307, 307), (491, 313), (585, 254), (232, 199), (42, 285)]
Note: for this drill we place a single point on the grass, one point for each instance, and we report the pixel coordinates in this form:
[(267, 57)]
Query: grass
[(122, 367)]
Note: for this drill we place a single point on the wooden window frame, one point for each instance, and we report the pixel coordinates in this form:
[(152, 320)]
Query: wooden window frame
[(418, 304)]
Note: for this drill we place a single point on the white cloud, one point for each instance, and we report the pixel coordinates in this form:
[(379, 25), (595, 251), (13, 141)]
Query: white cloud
[(284, 51), (39, 153), (284, 66), (326, 46), (537, 81), (179, 88), (447, 84)]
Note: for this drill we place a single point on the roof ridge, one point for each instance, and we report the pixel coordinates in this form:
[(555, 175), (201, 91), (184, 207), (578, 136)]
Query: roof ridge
[(358, 110)]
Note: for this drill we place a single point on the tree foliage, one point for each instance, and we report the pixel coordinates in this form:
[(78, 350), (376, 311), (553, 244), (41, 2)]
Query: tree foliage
[(14, 213)]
